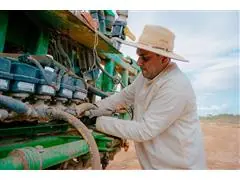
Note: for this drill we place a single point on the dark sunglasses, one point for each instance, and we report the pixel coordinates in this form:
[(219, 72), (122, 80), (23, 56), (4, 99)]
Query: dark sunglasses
[(146, 58)]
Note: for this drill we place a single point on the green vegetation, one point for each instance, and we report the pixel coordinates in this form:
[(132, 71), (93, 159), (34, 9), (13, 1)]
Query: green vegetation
[(222, 118)]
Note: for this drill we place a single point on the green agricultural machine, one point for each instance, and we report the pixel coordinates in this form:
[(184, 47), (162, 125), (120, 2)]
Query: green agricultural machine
[(51, 62)]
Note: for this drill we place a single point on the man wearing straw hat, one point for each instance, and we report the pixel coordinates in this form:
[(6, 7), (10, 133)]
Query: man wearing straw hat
[(165, 128)]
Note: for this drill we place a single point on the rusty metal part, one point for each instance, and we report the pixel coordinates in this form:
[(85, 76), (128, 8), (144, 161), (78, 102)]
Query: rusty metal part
[(42, 158), (42, 97), (30, 158)]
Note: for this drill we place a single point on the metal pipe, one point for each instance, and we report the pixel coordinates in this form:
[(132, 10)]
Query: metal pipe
[(40, 141), (68, 151), (97, 92), (37, 158), (125, 81), (107, 83), (125, 76)]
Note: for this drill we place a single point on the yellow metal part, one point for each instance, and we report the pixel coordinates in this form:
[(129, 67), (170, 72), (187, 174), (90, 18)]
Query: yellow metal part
[(129, 34)]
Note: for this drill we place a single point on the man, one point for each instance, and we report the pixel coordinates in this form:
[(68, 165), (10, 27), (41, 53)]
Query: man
[(165, 128)]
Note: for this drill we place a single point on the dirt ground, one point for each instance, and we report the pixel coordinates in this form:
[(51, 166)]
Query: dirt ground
[(222, 146)]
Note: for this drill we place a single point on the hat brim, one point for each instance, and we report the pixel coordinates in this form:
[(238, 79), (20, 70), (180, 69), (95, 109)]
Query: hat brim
[(155, 50)]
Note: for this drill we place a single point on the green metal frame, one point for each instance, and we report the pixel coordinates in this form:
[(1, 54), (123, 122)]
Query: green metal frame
[(32, 130), (3, 28), (34, 158), (42, 44), (107, 83), (118, 59), (46, 151)]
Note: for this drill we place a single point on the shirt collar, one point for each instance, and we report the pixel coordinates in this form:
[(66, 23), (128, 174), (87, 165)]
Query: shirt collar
[(167, 69)]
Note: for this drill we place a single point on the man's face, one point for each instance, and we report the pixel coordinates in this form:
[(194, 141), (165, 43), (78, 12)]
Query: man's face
[(150, 63)]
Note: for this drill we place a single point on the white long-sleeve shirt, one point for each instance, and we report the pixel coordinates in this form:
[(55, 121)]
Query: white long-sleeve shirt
[(165, 129)]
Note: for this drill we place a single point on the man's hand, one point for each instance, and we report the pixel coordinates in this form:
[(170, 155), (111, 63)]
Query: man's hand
[(120, 108), (98, 112), (91, 110), (80, 109)]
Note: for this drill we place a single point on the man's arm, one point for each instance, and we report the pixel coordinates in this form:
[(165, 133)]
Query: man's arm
[(125, 97), (162, 112)]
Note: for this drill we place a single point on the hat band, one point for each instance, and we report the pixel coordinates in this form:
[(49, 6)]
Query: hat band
[(156, 47), (165, 49)]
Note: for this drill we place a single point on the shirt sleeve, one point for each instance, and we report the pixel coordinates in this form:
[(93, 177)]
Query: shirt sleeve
[(164, 109), (125, 97)]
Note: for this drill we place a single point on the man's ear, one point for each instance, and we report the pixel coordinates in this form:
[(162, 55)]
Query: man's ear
[(165, 60)]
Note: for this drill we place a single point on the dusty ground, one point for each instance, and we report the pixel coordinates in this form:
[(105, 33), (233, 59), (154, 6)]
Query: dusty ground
[(222, 145)]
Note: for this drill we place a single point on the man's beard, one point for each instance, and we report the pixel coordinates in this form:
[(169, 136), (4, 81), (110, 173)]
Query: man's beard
[(146, 74)]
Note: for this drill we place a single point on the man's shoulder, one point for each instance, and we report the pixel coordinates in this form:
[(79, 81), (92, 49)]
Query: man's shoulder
[(175, 80)]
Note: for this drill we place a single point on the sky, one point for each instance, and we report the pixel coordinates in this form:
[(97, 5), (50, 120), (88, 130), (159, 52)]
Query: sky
[(210, 41)]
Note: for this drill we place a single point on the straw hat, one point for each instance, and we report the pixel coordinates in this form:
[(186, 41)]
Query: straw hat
[(156, 39)]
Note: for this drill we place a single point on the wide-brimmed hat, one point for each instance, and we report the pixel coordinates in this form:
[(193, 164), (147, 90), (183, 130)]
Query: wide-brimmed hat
[(156, 39)]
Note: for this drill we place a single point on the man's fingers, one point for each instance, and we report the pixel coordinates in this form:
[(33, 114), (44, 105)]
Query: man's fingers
[(98, 112), (84, 107), (87, 113)]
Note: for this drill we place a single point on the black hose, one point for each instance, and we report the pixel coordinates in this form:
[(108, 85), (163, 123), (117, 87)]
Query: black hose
[(59, 79), (115, 80), (34, 61), (85, 83), (103, 70), (53, 52), (63, 53), (122, 84), (130, 112), (58, 58), (29, 59), (63, 70)]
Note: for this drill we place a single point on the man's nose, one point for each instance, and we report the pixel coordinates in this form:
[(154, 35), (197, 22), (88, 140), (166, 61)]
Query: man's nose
[(140, 62)]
